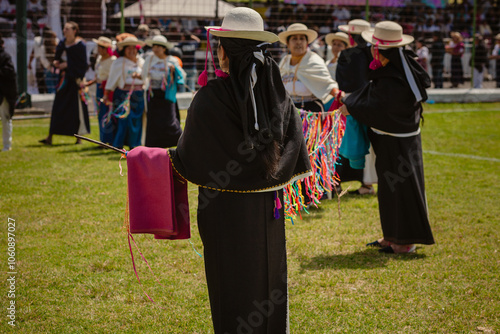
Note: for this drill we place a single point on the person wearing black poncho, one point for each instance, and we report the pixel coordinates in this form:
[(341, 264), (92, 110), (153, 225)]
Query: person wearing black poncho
[(390, 104), (241, 145), (356, 158)]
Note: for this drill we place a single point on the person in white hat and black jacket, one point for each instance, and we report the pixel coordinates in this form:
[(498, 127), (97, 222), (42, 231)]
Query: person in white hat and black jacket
[(304, 73), (241, 145), (356, 158), (161, 73), (391, 106)]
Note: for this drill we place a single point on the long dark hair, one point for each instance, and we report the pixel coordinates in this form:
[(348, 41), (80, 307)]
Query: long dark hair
[(270, 98)]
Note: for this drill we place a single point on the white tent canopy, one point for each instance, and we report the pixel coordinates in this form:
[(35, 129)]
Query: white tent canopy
[(177, 8)]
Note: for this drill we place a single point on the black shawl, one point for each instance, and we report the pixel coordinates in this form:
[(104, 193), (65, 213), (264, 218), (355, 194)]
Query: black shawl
[(220, 148), (352, 68)]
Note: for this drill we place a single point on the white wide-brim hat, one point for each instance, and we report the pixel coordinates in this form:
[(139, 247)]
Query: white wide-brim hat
[(298, 29), (103, 41), (129, 41), (159, 40), (355, 27), (340, 36), (387, 34), (243, 22)]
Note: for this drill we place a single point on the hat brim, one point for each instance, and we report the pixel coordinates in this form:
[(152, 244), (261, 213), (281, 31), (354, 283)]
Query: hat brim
[(368, 36), (121, 45), (345, 28), (311, 35), (329, 38), (150, 42), (101, 43), (264, 36)]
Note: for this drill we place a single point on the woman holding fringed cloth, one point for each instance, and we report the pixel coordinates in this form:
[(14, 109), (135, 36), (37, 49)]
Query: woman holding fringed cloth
[(391, 106), (69, 112), (304, 73), (241, 145), (125, 81), (162, 75)]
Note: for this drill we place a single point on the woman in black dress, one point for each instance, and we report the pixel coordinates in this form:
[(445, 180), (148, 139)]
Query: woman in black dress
[(241, 145), (390, 105), (69, 112)]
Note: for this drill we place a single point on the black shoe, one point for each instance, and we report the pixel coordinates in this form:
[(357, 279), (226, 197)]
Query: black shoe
[(45, 141), (387, 250), (374, 244)]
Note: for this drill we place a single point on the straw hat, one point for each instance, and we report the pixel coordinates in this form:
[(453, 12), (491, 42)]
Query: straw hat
[(298, 29), (339, 36), (355, 27), (387, 34), (159, 40), (129, 41), (103, 41), (243, 22)]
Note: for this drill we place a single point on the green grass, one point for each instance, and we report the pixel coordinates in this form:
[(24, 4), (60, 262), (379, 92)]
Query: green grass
[(74, 273)]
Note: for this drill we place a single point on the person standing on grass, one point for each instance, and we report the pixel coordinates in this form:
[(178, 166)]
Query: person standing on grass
[(391, 106), (356, 161), (102, 68), (69, 112), (8, 95), (125, 81), (241, 145), (161, 73), (480, 62), (456, 48), (437, 59), (495, 55)]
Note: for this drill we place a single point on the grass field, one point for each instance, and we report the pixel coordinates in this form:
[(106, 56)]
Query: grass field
[(74, 273)]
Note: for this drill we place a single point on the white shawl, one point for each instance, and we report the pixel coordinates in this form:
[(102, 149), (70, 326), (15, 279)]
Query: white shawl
[(312, 72)]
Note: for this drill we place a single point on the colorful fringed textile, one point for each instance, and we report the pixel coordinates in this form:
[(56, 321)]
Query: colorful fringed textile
[(323, 133)]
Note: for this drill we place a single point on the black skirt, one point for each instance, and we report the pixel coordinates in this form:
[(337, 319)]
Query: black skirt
[(69, 114), (245, 261), (163, 128), (401, 189)]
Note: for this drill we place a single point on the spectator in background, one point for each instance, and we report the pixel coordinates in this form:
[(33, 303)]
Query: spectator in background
[(189, 44), (422, 53), (8, 95), (480, 62), (456, 48), (142, 32), (495, 55), (44, 50), (437, 59)]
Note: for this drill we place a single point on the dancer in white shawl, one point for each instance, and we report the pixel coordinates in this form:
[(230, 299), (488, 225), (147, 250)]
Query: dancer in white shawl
[(304, 73)]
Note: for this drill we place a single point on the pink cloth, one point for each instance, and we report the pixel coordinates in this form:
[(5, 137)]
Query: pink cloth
[(158, 202)]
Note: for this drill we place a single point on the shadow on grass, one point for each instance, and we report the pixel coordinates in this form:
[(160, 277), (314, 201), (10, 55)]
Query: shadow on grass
[(366, 259)]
